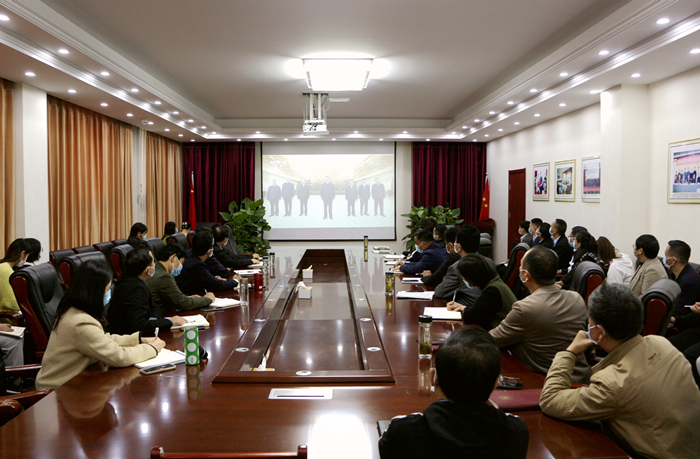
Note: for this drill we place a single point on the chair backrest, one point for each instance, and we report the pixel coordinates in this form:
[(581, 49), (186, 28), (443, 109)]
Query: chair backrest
[(153, 244), (587, 277), (38, 293), (84, 249), (117, 257), (190, 238), (70, 264), (56, 256), (179, 239), (158, 453), (485, 235), (658, 306), (512, 272), (105, 248), (695, 266), (117, 242), (485, 246)]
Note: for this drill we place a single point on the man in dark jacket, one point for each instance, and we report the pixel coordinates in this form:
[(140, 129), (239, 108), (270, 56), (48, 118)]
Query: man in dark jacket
[(327, 195), (561, 244), (433, 279), (287, 197), (131, 309), (303, 195), (364, 194), (378, 195), (195, 276), (461, 423), (432, 255), (274, 193), (221, 237), (351, 197)]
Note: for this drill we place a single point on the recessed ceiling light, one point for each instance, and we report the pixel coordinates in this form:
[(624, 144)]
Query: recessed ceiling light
[(129, 114), (604, 52), (213, 132), (492, 112), (167, 129), (105, 73), (463, 127), (190, 121), (204, 127), (134, 90), (4, 18), (500, 130), (663, 21), (537, 115), (333, 140), (63, 51), (286, 140), (381, 140), (474, 140), (238, 140), (477, 120), (356, 132), (179, 135), (533, 90), (406, 132), (486, 135), (191, 140), (695, 51), (157, 102), (104, 104), (563, 74), (72, 91), (595, 91), (176, 112), (454, 133), (427, 140), (635, 75), (150, 123), (562, 104), (517, 123), (257, 132), (510, 102), (30, 74)]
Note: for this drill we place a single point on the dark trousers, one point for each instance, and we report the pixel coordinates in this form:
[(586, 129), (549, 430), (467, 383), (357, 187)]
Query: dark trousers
[(304, 208), (288, 206), (688, 342), (380, 203), (327, 208), (351, 208), (274, 207), (363, 206)]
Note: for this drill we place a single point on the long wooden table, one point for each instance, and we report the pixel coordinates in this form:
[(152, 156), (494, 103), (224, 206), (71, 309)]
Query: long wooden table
[(120, 414)]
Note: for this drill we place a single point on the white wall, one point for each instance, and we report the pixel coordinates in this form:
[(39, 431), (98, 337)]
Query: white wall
[(573, 136)]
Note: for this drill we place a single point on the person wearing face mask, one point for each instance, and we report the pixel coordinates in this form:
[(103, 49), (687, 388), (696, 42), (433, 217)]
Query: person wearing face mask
[(545, 322), (676, 258), (544, 237), (496, 299), (35, 251), (131, 309), (560, 244), (195, 277), (137, 234), (646, 248), (164, 290), (524, 232), (15, 256), (433, 279), (586, 250), (439, 234), (642, 391), (534, 226), (431, 258), (78, 339)]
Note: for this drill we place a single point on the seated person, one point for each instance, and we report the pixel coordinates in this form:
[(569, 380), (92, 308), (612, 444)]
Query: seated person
[(676, 258), (646, 248), (414, 255), (164, 290), (688, 340), (432, 255), (195, 276), (16, 256), (452, 287), (496, 299), (620, 266), (544, 237), (169, 230), (560, 244), (232, 248), (586, 250), (213, 265), (131, 309), (221, 236), (572, 241), (642, 391), (35, 251), (11, 348), (185, 228), (137, 234), (535, 224), (432, 279), (461, 423), (524, 232), (545, 322), (439, 234), (78, 339)]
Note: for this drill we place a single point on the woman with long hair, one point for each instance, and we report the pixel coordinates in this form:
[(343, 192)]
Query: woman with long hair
[(620, 265), (169, 230), (78, 339), (16, 255), (585, 249)]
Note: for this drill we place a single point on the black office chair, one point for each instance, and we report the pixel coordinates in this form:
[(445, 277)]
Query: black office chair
[(658, 306), (117, 242), (179, 239), (117, 258), (511, 275), (587, 277), (84, 249), (56, 256), (153, 244), (38, 293), (485, 246), (70, 264)]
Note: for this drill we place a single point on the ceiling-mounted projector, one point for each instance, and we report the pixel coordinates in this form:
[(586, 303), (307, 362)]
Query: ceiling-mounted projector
[(315, 118), (315, 127)]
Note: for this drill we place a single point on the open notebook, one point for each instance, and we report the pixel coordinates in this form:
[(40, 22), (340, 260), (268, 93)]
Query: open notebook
[(223, 303), (197, 321), (16, 332), (165, 357)]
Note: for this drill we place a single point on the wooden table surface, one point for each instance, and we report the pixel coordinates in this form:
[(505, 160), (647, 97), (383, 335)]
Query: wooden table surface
[(120, 414)]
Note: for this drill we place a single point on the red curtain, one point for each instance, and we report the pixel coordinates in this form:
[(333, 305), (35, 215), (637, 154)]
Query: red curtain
[(223, 172), (450, 173)]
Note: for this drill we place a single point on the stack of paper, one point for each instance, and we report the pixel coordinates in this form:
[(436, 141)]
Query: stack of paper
[(381, 251), (393, 257), (246, 272), (409, 295), (165, 357), (16, 332), (197, 321), (223, 303), (442, 314), (411, 280)]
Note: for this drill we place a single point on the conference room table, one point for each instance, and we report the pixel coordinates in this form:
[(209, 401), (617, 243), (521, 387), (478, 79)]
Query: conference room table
[(118, 413)]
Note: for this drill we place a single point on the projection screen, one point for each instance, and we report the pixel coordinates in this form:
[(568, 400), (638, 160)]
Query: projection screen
[(329, 190)]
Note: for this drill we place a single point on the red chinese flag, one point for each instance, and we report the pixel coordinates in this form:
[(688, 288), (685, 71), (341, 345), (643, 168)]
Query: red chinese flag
[(485, 201), (193, 215)]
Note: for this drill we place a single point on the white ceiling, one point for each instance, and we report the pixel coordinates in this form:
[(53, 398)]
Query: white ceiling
[(226, 64)]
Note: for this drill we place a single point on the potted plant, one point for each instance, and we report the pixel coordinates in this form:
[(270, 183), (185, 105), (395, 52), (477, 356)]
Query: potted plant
[(248, 225), (440, 214)]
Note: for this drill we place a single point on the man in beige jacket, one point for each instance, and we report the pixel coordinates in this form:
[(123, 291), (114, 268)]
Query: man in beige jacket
[(643, 391), (646, 248), (545, 322)]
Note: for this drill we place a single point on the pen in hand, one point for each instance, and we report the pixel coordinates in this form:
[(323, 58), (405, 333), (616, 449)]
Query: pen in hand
[(157, 330)]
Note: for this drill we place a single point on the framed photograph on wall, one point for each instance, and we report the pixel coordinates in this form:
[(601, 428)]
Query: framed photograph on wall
[(684, 172), (540, 187), (565, 176), (590, 168)]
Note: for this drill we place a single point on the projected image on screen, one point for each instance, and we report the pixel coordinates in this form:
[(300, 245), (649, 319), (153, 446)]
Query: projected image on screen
[(326, 191)]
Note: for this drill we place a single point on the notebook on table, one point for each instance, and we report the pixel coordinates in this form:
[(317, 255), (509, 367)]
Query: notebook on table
[(197, 321)]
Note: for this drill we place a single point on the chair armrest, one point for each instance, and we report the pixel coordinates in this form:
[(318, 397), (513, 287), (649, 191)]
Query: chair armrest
[(23, 371), (9, 409), (15, 318), (26, 399)]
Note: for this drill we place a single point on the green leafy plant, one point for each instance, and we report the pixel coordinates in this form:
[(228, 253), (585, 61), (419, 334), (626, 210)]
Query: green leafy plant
[(440, 214), (248, 225)]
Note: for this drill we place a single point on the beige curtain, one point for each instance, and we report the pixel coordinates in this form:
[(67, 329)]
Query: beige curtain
[(163, 183), (90, 173), (7, 165)]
